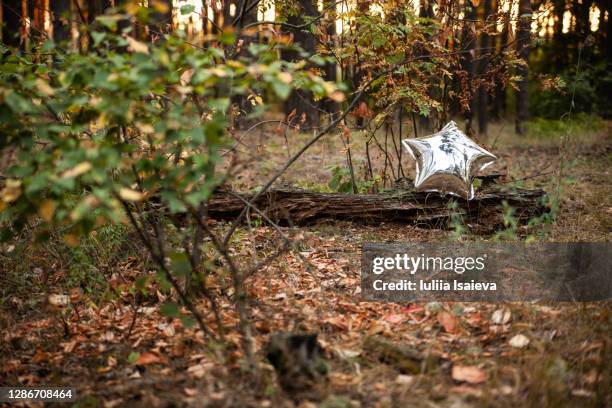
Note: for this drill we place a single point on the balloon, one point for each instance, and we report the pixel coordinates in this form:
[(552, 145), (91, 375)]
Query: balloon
[(447, 161)]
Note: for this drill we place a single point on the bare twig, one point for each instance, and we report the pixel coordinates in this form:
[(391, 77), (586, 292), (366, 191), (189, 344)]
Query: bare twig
[(160, 260)]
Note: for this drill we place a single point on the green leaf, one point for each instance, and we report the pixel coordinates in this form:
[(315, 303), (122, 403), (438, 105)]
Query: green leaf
[(179, 263), (187, 9), (170, 309), (282, 89), (97, 37), (188, 321), (49, 45), (227, 37), (109, 21), (133, 357), (317, 60), (346, 187), (219, 104)]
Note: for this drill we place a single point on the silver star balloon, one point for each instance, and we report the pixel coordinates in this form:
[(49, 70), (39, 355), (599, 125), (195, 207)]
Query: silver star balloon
[(447, 161)]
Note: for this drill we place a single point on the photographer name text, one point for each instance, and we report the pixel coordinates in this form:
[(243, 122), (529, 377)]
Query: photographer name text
[(432, 285)]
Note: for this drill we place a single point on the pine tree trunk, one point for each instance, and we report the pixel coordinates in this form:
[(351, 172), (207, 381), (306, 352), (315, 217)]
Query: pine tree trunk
[(358, 72), (96, 8), (426, 10), (241, 102), (301, 108), (608, 29), (12, 23), (499, 105), (468, 43), (523, 38), (36, 18), (227, 18), (330, 106), (483, 97), (559, 54), (161, 21), (124, 22), (60, 10)]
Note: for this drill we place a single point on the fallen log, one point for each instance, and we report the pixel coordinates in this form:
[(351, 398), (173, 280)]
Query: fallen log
[(300, 207)]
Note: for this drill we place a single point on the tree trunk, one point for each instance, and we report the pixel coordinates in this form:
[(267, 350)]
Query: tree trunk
[(330, 106), (483, 97), (484, 212), (227, 17), (358, 72), (161, 20), (426, 10), (124, 22), (301, 108), (36, 29), (241, 102), (96, 8), (608, 29), (499, 105), (60, 10), (12, 23), (559, 54), (468, 43), (523, 38)]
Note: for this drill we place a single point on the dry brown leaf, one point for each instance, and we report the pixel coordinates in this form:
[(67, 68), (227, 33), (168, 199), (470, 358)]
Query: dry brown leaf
[(147, 358), (285, 77), (501, 316), (474, 319), (519, 341), (77, 170), (404, 379), (346, 354), (337, 322), (337, 96), (448, 321), (466, 390), (394, 318), (136, 46), (69, 346), (469, 374), (59, 300), (47, 209), (198, 370), (43, 87), (128, 194), (582, 393), (40, 356)]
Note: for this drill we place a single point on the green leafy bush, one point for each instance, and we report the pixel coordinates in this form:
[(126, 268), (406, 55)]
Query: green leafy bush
[(586, 91), (92, 133)]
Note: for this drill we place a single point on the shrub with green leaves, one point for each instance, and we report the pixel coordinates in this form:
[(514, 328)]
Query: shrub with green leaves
[(89, 133)]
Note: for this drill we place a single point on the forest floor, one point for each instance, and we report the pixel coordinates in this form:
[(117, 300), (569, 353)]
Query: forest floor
[(117, 349)]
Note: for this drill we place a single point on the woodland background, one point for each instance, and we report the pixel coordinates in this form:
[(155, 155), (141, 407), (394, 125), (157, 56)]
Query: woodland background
[(151, 252)]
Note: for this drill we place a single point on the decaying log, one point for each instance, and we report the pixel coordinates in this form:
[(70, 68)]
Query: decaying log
[(300, 207)]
